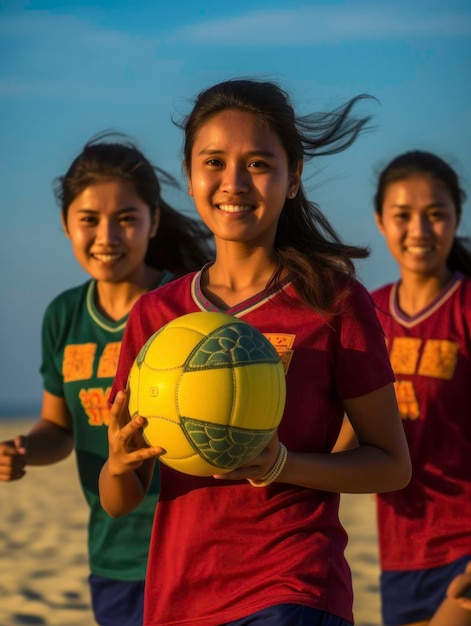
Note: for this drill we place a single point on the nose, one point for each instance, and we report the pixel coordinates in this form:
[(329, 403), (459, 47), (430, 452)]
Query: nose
[(107, 232), (419, 225), (235, 179)]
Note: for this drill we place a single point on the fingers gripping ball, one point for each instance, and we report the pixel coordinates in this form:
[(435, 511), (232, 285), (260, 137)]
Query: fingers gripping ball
[(212, 389)]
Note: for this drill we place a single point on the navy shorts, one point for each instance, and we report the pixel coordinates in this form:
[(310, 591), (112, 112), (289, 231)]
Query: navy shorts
[(117, 602), (290, 615), (415, 595)]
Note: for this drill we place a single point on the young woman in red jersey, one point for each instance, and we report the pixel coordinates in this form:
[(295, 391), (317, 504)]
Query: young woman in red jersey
[(258, 546), (424, 529)]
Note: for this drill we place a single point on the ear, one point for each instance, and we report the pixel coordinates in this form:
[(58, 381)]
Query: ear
[(294, 181), (64, 226), (155, 223), (379, 222), (188, 178)]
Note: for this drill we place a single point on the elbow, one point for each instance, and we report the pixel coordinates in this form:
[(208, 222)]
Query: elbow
[(113, 514), (406, 472), (113, 510), (400, 474)]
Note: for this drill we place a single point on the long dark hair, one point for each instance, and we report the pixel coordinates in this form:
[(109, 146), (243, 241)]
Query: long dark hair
[(181, 244), (420, 163), (307, 246)]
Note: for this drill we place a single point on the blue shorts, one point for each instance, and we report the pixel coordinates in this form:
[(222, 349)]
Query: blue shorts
[(290, 615), (117, 602), (415, 595)]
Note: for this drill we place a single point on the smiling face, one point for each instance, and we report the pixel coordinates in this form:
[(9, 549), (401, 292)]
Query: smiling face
[(419, 223), (109, 227), (239, 178)]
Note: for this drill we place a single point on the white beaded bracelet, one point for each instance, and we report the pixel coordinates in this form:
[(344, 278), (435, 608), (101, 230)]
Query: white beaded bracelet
[(275, 471)]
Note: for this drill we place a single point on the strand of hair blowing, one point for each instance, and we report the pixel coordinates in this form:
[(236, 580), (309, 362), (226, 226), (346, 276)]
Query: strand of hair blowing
[(308, 246), (319, 263)]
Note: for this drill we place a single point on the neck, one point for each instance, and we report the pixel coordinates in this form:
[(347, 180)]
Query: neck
[(115, 300), (416, 292), (234, 277)]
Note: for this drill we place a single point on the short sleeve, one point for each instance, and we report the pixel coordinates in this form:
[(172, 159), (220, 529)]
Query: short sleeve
[(50, 360), (362, 362)]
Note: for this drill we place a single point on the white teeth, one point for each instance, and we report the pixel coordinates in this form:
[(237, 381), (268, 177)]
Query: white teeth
[(106, 258), (234, 208), (419, 249)]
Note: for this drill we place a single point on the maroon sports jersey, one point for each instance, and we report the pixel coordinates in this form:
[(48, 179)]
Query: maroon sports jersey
[(221, 550), (428, 523)]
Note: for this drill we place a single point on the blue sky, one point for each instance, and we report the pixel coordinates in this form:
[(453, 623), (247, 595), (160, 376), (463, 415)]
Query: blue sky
[(72, 69)]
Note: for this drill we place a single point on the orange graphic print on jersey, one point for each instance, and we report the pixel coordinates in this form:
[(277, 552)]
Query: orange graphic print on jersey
[(439, 359), (78, 361), (108, 363), (406, 399), (95, 404), (283, 344), (404, 354)]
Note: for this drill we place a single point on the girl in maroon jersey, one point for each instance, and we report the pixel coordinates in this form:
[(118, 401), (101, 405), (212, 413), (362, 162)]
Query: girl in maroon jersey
[(263, 544), (424, 529)]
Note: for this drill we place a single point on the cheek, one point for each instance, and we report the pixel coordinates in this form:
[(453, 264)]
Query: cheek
[(391, 232), (448, 233), (138, 237), (78, 238), (199, 185)]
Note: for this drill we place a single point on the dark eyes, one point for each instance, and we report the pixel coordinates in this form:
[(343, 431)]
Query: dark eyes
[(252, 164), (124, 219), (213, 162), (258, 164), (432, 216)]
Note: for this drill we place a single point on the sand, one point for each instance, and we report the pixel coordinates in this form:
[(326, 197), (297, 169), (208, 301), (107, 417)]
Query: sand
[(43, 552)]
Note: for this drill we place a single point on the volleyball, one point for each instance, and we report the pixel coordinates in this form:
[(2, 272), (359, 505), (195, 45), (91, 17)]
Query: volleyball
[(212, 389)]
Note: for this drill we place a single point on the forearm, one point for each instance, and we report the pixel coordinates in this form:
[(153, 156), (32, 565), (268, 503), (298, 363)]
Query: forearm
[(47, 443), (120, 494), (365, 469)]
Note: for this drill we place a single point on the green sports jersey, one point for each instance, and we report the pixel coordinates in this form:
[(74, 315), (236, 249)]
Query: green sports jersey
[(80, 349)]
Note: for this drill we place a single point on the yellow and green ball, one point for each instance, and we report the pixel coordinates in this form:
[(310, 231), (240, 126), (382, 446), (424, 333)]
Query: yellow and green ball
[(212, 389)]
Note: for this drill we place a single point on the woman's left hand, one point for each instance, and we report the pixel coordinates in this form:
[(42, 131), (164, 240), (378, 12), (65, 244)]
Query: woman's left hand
[(259, 466)]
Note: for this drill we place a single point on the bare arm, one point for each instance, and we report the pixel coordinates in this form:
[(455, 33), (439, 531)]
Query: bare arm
[(379, 463), (126, 475), (347, 438), (50, 440)]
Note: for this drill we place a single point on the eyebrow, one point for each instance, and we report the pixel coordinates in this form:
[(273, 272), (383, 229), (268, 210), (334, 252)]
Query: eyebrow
[(126, 209), (252, 153), (433, 205)]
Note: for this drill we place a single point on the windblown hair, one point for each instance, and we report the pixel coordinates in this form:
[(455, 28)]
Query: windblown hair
[(420, 163), (181, 244), (307, 246)]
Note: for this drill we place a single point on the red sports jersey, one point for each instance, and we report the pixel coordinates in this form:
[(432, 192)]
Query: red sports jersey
[(222, 550), (427, 524)]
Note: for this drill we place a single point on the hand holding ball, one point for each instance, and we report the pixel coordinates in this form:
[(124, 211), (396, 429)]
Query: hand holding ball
[(212, 389)]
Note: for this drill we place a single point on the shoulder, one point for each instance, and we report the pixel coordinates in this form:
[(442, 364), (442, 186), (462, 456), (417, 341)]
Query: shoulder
[(358, 298), (466, 285), (381, 294), (68, 300), (463, 297), (357, 312), (382, 299)]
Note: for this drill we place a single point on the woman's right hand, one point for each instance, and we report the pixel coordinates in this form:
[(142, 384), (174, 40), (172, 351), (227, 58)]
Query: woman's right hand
[(127, 447), (12, 459), (460, 589)]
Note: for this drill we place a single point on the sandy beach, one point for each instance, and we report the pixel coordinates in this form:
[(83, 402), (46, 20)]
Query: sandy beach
[(43, 555)]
